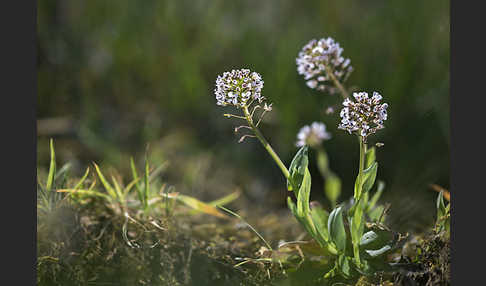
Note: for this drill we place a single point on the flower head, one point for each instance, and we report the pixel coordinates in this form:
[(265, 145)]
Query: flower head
[(238, 87), (319, 57), (365, 116), (312, 135)]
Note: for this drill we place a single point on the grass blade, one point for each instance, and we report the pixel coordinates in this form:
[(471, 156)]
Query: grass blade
[(130, 186), (200, 206), (62, 171), (222, 201), (82, 179), (251, 227), (162, 167), (85, 192), (147, 183), (105, 183), (52, 167), (117, 188), (226, 199), (135, 174)]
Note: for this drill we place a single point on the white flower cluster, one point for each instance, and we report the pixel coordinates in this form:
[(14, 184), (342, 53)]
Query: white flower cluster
[(313, 59), (238, 87), (365, 116), (312, 135)]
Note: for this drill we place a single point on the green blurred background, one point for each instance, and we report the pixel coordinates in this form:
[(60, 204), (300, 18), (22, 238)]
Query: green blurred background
[(114, 76)]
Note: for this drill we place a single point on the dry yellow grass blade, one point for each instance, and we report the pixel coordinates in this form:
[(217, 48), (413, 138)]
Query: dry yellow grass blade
[(196, 204), (445, 192)]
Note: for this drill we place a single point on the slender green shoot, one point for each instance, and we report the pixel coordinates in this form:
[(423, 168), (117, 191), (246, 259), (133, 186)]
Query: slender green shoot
[(251, 227)]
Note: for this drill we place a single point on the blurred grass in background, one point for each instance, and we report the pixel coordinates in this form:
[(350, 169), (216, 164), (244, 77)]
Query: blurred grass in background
[(116, 75)]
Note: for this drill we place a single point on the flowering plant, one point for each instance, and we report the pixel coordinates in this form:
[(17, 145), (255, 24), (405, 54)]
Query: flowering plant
[(351, 232)]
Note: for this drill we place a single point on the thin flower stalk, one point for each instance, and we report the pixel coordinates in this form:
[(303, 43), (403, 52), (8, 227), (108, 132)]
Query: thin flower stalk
[(344, 93), (323, 67), (265, 143), (362, 152), (241, 88)]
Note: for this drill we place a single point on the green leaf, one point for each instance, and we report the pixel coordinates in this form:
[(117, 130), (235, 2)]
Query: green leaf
[(293, 208), (376, 238), (305, 221), (297, 169), (357, 222), (222, 201), (375, 213), (146, 183), (377, 195), (368, 238), (63, 171), (130, 186), (304, 195), (105, 183), (225, 200), (162, 167), (443, 219), (117, 188), (52, 167), (320, 217), (376, 242), (337, 233), (370, 157), (441, 209), (303, 209), (332, 188), (78, 185), (90, 193), (344, 266), (356, 225), (135, 177), (369, 177), (378, 252), (322, 162)]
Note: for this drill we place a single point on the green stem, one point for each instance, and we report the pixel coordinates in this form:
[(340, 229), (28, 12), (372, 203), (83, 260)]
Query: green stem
[(341, 88), (357, 196), (265, 143), (323, 163), (362, 152)]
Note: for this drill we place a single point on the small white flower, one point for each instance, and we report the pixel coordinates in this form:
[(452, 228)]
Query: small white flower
[(312, 83), (313, 59), (312, 135), (364, 116)]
